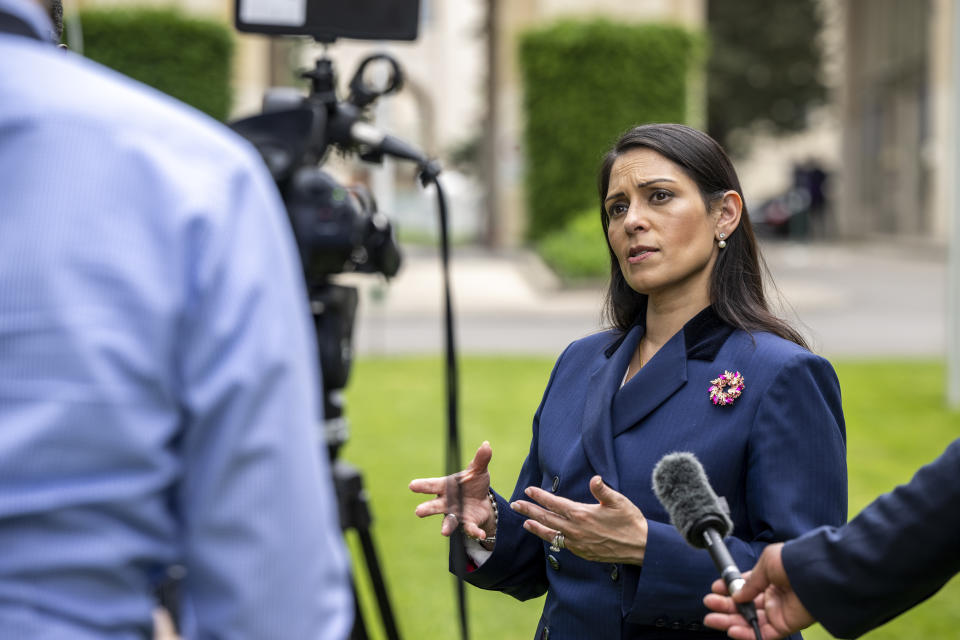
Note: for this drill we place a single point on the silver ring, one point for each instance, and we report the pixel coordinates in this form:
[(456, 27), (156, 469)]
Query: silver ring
[(452, 515), (558, 542)]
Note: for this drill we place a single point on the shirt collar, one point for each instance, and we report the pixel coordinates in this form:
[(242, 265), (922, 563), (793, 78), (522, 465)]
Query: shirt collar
[(33, 15)]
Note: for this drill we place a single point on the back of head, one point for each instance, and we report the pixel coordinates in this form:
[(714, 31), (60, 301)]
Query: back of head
[(55, 8)]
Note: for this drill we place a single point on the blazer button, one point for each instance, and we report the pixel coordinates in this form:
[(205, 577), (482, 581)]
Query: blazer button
[(660, 622), (545, 634), (556, 483), (693, 626), (676, 625), (554, 563), (615, 573)]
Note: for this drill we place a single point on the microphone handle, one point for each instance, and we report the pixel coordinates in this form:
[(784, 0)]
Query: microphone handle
[(724, 563)]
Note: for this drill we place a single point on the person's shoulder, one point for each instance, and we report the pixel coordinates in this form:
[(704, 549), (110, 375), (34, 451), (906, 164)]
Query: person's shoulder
[(776, 354), (765, 344), (76, 94), (592, 344)]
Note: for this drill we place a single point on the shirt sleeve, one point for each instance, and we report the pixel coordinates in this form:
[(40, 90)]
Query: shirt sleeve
[(262, 544), (476, 551)]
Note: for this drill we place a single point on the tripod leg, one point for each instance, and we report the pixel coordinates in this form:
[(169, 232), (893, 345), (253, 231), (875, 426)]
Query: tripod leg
[(379, 587), (359, 631)]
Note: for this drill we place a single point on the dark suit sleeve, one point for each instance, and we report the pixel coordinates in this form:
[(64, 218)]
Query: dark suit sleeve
[(517, 566), (898, 552), (794, 480)]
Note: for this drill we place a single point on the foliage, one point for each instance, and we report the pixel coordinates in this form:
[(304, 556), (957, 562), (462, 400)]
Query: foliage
[(584, 84), (396, 410), (764, 65), (186, 57), (578, 250)]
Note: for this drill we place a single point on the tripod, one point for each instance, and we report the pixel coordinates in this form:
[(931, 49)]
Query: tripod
[(334, 310)]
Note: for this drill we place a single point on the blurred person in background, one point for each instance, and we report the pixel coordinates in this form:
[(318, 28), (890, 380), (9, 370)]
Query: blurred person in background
[(693, 361), (159, 390)]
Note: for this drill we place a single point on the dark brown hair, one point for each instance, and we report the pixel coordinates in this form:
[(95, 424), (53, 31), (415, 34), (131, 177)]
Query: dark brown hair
[(736, 284)]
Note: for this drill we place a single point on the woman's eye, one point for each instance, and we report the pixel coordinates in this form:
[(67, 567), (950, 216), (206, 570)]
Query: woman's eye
[(617, 209), (660, 196)]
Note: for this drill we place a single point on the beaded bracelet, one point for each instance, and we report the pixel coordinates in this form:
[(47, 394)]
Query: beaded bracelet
[(496, 517)]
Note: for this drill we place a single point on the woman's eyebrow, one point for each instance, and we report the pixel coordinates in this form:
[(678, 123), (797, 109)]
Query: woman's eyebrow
[(654, 180), (639, 186)]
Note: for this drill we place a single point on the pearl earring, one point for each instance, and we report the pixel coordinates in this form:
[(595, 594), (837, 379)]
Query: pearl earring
[(723, 243)]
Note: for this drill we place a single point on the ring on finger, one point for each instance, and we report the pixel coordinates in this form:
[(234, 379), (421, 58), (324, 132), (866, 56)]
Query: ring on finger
[(558, 542)]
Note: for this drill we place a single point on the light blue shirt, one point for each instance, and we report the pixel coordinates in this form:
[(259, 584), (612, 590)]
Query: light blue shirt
[(159, 390)]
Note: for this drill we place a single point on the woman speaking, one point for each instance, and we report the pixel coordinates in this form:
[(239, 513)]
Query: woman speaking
[(693, 361)]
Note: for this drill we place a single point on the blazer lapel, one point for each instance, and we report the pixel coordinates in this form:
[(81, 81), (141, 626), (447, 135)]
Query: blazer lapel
[(597, 434), (652, 385), (609, 410)]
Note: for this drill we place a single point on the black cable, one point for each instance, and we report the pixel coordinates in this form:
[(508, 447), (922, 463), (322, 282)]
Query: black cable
[(453, 461), (756, 629)]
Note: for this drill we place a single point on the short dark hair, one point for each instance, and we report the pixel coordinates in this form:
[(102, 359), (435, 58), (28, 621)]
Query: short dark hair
[(736, 284), (55, 9)]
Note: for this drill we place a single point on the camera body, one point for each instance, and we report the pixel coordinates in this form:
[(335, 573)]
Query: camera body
[(338, 228)]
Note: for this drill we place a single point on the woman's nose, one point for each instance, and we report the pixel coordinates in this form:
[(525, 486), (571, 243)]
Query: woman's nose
[(635, 219)]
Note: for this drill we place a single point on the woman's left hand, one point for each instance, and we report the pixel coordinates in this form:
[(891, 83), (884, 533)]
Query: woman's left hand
[(613, 530)]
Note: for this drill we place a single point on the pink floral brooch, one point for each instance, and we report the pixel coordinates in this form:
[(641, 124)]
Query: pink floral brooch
[(727, 388)]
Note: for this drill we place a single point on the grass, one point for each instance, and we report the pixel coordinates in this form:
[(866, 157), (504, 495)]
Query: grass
[(895, 423)]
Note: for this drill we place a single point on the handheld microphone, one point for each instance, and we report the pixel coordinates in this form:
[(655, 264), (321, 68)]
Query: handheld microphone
[(681, 486)]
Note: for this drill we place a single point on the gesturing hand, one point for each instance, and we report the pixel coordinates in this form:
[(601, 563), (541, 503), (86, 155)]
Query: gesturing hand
[(613, 530), (778, 608), (476, 514)]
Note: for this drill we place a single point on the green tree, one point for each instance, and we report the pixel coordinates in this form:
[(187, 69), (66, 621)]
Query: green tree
[(186, 57), (584, 84), (764, 64)]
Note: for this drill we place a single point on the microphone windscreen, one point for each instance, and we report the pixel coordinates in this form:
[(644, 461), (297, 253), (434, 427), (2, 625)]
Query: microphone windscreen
[(681, 485)]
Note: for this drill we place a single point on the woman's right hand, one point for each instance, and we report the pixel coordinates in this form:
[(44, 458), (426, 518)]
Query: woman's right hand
[(475, 512)]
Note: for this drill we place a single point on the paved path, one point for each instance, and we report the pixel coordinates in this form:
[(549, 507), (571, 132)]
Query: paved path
[(851, 300)]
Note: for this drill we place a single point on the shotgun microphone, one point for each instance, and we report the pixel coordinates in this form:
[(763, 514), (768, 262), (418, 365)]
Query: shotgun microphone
[(681, 486)]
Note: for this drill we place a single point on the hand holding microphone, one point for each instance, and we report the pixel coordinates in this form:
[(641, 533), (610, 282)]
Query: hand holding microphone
[(781, 612), (681, 485)]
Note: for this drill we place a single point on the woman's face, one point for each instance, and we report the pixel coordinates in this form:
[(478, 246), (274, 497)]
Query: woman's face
[(660, 229)]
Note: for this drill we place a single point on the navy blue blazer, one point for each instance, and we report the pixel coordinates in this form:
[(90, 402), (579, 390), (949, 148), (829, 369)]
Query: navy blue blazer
[(896, 553), (777, 454)]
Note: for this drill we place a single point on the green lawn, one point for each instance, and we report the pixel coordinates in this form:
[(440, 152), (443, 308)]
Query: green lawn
[(895, 423)]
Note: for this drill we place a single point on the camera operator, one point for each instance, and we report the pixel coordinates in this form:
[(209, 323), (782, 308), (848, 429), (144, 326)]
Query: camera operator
[(159, 389)]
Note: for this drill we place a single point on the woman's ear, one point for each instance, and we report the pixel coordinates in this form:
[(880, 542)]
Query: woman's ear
[(730, 208)]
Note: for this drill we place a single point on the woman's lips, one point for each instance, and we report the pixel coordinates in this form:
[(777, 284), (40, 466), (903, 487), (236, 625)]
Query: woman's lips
[(640, 254)]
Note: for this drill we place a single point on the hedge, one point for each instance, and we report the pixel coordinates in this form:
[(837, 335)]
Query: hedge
[(578, 250), (189, 58), (584, 84)]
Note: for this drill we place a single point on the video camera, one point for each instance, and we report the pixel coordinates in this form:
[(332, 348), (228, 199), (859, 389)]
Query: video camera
[(338, 228)]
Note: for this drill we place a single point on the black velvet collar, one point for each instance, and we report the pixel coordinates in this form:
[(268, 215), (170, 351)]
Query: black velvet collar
[(703, 334)]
